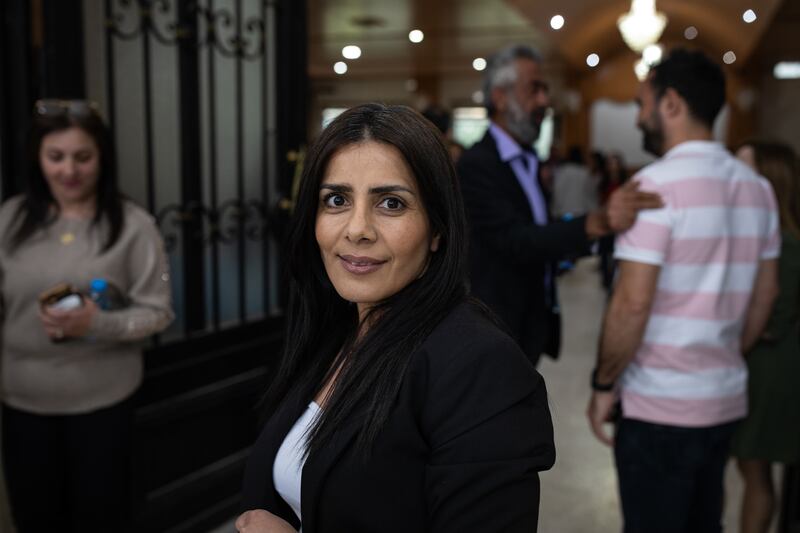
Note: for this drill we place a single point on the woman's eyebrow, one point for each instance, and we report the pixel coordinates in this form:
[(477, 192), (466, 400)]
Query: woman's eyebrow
[(383, 189), (336, 187), (390, 188)]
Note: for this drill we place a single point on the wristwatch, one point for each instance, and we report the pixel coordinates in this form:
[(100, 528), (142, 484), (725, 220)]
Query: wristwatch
[(600, 387)]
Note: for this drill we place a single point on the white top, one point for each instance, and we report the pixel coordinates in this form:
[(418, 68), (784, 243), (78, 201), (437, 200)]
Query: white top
[(287, 471)]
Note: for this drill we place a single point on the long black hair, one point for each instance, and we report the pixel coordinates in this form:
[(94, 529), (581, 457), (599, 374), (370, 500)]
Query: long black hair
[(322, 331), (38, 206)]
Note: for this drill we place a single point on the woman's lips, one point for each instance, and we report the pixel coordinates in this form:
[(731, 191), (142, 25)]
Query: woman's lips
[(360, 265)]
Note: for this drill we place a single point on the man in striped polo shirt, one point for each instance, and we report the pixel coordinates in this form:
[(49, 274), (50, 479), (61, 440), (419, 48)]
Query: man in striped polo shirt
[(696, 283)]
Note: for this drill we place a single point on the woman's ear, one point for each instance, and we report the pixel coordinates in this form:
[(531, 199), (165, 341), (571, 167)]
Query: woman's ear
[(435, 243)]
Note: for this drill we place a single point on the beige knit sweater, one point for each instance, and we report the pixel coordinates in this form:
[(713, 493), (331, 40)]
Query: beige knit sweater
[(105, 367)]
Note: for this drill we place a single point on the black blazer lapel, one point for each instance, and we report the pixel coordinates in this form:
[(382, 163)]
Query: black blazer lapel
[(317, 467), (504, 176)]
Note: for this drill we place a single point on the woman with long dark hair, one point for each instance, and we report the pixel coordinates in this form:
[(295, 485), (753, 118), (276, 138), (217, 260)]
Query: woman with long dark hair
[(771, 432), (69, 371), (398, 404)]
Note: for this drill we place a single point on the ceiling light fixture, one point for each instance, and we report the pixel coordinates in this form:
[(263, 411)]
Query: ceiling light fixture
[(416, 36), (557, 22), (479, 63), (652, 54), (593, 60), (729, 58), (787, 70), (642, 25), (641, 69), (749, 16), (690, 33), (340, 67), (351, 51)]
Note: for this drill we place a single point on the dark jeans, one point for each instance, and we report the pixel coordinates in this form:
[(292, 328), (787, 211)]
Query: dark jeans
[(671, 478), (68, 473)]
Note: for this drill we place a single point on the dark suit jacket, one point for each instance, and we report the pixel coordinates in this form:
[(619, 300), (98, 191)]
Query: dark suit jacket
[(461, 450), (509, 252)]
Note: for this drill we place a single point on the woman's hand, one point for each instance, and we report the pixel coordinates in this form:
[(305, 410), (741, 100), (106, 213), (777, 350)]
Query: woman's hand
[(261, 521), (60, 324)]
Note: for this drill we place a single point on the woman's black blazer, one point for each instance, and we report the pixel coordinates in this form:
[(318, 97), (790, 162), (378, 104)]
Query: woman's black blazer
[(461, 450)]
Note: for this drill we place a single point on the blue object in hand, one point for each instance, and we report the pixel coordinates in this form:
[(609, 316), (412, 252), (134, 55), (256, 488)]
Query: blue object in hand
[(98, 291)]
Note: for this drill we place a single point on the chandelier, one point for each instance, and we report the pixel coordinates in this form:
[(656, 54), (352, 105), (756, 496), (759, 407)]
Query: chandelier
[(642, 25)]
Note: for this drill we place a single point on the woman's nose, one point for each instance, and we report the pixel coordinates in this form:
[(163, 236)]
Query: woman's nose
[(360, 225), (69, 167)]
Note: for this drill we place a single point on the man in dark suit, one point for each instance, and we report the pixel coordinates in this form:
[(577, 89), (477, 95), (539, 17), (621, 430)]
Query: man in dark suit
[(513, 244)]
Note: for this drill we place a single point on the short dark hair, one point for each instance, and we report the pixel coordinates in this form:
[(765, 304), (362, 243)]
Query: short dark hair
[(35, 211), (693, 75), (322, 327), (439, 117)]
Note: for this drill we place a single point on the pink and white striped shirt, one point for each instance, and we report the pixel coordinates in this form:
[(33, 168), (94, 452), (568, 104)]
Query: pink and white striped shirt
[(719, 222)]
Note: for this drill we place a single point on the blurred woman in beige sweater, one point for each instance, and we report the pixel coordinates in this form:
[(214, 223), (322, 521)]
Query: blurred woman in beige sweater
[(68, 376)]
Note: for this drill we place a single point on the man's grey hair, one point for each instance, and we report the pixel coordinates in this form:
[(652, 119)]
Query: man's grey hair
[(502, 72)]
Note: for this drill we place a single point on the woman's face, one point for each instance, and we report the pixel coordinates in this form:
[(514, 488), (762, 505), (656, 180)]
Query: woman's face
[(70, 162), (372, 229), (748, 155)]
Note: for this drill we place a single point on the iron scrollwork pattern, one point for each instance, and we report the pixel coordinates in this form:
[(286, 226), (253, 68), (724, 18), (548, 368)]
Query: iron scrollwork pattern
[(222, 31), (224, 225), (148, 16)]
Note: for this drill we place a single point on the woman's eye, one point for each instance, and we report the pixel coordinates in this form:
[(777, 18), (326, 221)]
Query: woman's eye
[(335, 200), (55, 156), (392, 203)]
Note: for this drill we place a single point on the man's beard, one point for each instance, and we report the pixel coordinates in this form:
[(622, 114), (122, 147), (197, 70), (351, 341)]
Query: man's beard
[(653, 135), (523, 126)]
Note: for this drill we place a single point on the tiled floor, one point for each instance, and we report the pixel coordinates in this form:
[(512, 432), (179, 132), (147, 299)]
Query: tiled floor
[(580, 494)]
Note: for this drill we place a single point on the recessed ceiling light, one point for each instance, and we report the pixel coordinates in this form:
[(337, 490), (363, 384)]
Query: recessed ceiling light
[(593, 60), (479, 63), (340, 67), (729, 57), (690, 33), (787, 70), (416, 36), (557, 22), (351, 51), (477, 97), (749, 16)]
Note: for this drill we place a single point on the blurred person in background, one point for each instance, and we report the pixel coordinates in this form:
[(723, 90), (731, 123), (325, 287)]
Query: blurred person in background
[(514, 246), (443, 120), (613, 176), (574, 187), (771, 432), (696, 284), (69, 376)]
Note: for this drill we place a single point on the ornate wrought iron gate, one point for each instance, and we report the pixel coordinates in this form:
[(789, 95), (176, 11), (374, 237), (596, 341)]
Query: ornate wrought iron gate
[(190, 91), (201, 123)]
